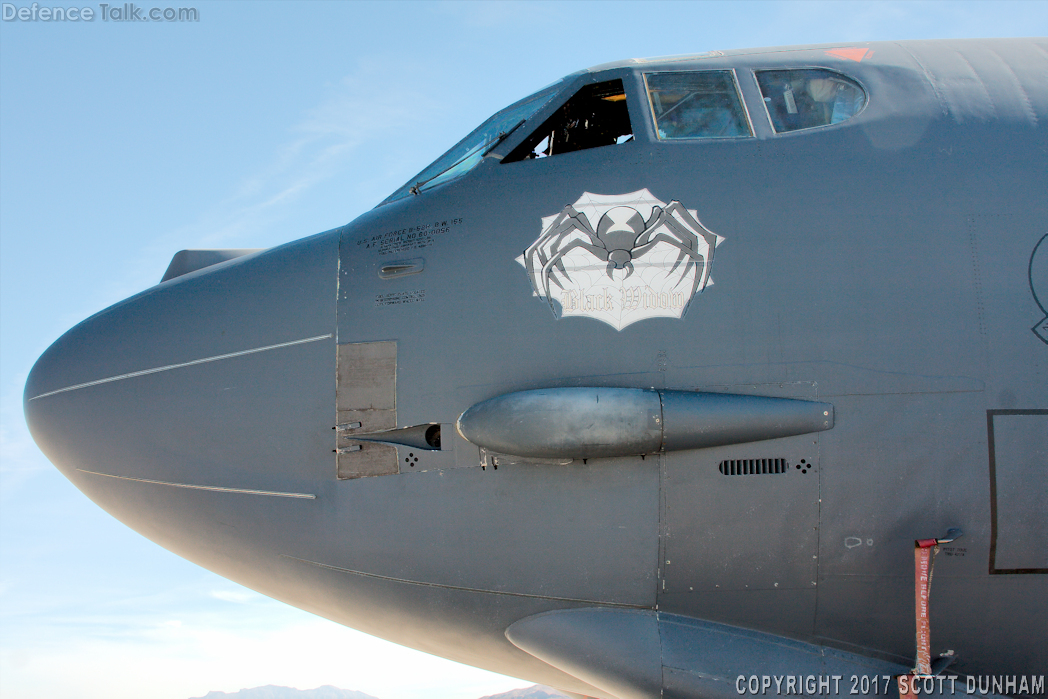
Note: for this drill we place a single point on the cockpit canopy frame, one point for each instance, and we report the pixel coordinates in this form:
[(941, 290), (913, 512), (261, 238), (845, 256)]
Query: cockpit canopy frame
[(684, 104)]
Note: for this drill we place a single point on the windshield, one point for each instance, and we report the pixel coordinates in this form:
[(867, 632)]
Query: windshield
[(465, 155)]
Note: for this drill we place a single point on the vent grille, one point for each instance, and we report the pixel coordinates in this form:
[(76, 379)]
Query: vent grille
[(753, 467)]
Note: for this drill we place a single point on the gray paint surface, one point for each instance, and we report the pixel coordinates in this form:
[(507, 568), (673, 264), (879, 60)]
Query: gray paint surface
[(883, 265)]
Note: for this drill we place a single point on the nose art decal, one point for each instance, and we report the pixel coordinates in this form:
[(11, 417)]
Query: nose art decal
[(621, 258), (1039, 285)]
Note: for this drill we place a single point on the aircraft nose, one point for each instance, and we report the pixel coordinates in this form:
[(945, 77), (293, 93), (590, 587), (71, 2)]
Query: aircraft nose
[(48, 420), (218, 381)]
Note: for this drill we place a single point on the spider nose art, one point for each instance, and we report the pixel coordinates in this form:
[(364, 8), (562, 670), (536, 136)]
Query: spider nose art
[(620, 258), (654, 257), (621, 220)]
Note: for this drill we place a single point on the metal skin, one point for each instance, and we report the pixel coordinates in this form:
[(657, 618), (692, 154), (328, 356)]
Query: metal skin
[(589, 423), (881, 265)]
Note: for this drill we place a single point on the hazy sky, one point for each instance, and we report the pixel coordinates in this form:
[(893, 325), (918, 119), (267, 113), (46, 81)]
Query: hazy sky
[(122, 143)]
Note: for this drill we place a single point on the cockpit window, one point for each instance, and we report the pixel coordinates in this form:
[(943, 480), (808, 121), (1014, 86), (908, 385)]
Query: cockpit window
[(595, 116), (468, 152), (701, 104), (810, 97)]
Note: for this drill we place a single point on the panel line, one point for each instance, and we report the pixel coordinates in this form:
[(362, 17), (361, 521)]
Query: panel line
[(463, 589), (214, 488), (169, 367)]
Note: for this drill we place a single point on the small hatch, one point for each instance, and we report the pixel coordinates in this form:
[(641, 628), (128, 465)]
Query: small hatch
[(753, 467)]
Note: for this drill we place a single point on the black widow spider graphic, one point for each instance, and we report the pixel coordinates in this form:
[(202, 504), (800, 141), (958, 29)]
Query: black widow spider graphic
[(622, 237)]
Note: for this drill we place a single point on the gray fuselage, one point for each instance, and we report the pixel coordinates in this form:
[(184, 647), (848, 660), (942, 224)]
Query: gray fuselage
[(883, 265)]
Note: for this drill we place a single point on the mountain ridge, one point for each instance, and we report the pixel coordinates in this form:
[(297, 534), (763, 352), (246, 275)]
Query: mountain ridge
[(272, 691)]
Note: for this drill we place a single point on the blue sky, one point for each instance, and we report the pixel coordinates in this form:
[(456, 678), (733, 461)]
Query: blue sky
[(122, 143)]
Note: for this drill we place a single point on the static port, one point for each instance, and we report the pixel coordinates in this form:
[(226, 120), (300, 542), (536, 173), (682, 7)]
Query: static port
[(433, 436)]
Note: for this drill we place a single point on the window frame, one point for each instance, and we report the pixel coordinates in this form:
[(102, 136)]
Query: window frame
[(767, 112), (634, 107), (404, 192), (738, 93), (603, 77)]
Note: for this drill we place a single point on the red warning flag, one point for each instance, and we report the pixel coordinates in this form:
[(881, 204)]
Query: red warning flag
[(924, 551)]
